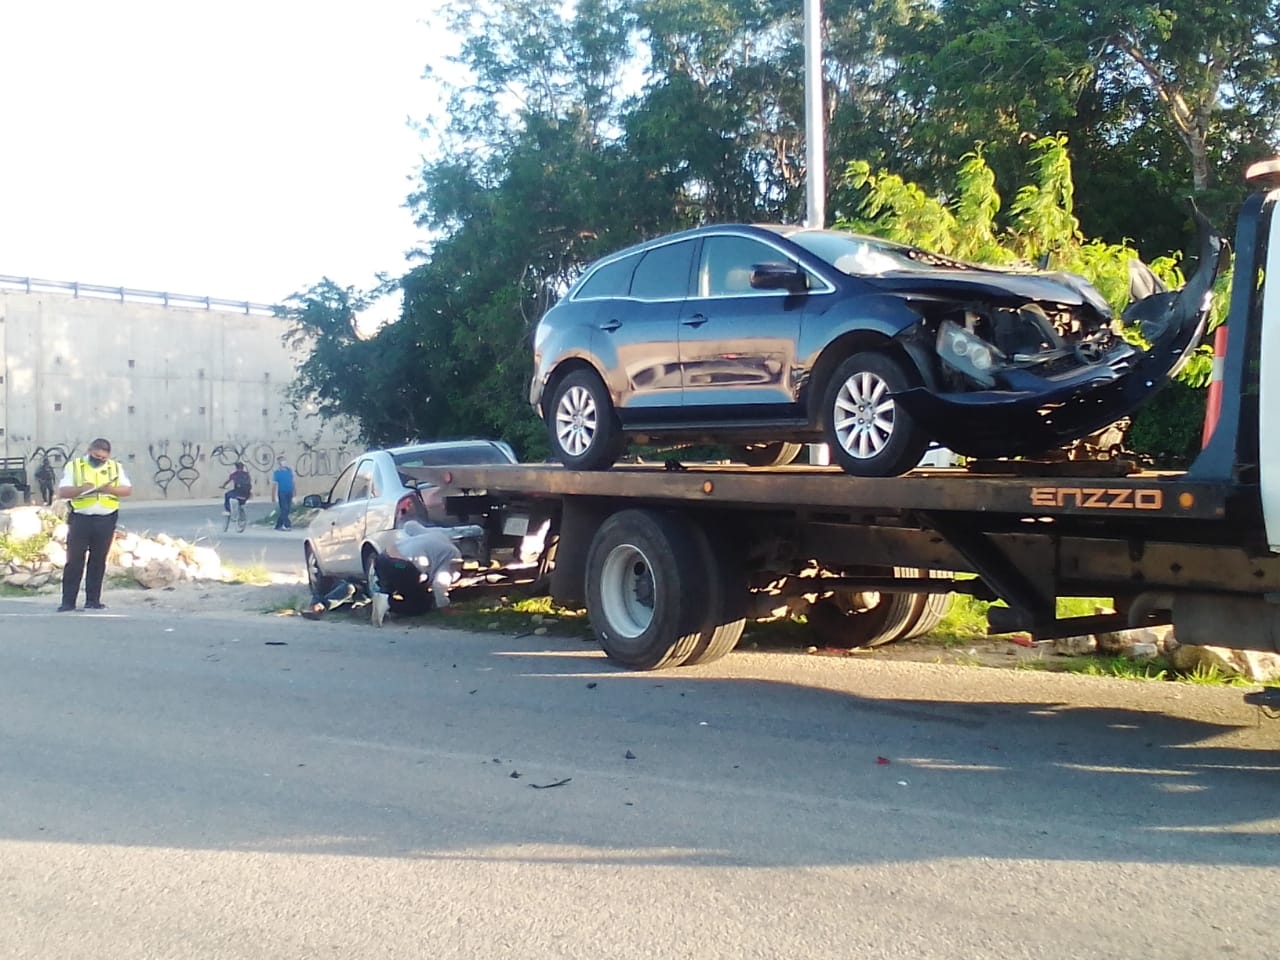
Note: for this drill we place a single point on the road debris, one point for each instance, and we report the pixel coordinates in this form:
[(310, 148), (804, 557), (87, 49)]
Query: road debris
[(548, 786)]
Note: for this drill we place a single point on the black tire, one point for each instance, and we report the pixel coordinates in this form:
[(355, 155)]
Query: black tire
[(646, 587), (932, 608), (767, 454), (869, 435), (242, 519), (726, 603), (582, 425), (9, 496), (841, 622), (317, 582)]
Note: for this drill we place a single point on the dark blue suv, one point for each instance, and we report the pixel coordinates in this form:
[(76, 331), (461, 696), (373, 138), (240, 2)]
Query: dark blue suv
[(767, 337)]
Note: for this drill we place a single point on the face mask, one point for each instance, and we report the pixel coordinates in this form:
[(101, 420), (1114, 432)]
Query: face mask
[(97, 462)]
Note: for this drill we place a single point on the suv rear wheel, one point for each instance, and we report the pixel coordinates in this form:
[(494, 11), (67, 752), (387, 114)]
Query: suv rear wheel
[(582, 425)]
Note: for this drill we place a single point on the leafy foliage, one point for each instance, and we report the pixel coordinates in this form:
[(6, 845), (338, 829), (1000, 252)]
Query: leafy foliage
[(570, 131)]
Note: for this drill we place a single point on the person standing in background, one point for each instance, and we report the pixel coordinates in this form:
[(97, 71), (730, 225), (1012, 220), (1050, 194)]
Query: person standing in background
[(95, 485), (45, 477), (282, 489)]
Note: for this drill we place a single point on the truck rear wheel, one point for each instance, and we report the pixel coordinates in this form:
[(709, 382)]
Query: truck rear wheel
[(646, 587), (850, 619), (726, 599), (932, 608)]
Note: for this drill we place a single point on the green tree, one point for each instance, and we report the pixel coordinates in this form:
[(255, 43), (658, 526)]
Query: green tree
[(1160, 99)]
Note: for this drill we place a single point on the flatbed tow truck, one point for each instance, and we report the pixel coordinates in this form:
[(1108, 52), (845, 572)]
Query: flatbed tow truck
[(671, 563)]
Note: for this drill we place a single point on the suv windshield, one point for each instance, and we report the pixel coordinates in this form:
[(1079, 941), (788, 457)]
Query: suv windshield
[(861, 256)]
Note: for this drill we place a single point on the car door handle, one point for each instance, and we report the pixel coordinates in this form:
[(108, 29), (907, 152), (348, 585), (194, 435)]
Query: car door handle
[(610, 325), (696, 320)]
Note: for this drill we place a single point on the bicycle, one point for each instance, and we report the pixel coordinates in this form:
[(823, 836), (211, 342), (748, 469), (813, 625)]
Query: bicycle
[(237, 514)]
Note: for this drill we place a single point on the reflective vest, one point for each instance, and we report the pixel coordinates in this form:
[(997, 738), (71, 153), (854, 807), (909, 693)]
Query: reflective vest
[(82, 472)]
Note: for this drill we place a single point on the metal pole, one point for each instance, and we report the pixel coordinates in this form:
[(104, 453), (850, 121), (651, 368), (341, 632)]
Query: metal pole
[(814, 127)]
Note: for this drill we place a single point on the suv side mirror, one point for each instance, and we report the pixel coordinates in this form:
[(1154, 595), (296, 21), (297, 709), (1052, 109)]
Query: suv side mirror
[(313, 501), (779, 276)]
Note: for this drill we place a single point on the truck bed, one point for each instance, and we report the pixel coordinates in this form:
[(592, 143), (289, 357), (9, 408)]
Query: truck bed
[(1142, 496)]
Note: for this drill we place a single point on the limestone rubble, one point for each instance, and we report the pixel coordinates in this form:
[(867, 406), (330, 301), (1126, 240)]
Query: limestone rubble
[(154, 562)]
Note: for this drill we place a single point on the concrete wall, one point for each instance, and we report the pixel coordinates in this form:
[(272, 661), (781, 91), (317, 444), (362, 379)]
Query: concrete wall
[(181, 393)]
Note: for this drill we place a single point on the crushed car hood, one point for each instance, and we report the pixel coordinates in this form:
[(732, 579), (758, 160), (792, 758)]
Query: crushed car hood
[(994, 423), (998, 285)]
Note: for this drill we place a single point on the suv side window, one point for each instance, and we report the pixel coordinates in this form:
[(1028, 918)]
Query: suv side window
[(663, 272), (342, 486), (725, 270), (611, 280), (363, 485)]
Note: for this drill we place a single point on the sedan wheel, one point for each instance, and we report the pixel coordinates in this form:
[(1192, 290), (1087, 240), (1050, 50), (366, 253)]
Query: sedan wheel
[(869, 434), (316, 581), (775, 454), (581, 424)]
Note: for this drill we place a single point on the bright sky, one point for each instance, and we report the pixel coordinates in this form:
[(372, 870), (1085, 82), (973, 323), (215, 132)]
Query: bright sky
[(240, 149)]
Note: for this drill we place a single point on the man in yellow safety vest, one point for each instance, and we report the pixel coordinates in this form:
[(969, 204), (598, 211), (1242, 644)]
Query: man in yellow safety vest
[(94, 485)]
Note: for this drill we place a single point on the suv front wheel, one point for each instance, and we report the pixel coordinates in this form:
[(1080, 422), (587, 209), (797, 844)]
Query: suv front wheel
[(582, 425), (868, 433)]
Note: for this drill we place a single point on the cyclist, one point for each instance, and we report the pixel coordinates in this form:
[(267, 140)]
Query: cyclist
[(241, 485)]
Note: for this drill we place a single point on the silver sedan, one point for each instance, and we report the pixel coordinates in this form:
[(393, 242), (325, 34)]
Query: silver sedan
[(373, 497)]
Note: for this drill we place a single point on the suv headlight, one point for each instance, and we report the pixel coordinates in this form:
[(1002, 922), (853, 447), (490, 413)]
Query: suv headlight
[(968, 353)]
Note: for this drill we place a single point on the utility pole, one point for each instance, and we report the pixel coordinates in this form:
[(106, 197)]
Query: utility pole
[(814, 123)]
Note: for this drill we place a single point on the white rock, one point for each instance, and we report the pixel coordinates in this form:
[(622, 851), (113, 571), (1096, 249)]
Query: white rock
[(155, 574), (1254, 664), (1075, 646), (23, 522), (1115, 641), (1144, 651)]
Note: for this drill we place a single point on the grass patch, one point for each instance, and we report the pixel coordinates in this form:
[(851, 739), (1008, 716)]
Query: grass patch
[(966, 621), (298, 517), (516, 615), (293, 604), (254, 575), (123, 581), (1210, 675), (26, 550)]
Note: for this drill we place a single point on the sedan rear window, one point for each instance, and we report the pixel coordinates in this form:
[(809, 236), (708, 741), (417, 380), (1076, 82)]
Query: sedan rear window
[(480, 453)]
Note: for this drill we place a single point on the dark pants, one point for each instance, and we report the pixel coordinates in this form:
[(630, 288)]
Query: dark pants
[(284, 503), (232, 495), (46, 493), (402, 580), (91, 536)]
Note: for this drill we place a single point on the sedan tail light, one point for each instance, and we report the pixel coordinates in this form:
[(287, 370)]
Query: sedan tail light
[(410, 507)]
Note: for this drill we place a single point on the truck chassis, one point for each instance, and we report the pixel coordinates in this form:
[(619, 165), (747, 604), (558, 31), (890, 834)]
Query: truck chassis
[(670, 563)]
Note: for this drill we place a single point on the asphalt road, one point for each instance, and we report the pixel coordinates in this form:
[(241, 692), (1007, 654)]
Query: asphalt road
[(280, 552), (245, 786)]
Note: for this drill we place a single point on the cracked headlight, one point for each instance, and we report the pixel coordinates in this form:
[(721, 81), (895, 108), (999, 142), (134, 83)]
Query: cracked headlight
[(969, 354)]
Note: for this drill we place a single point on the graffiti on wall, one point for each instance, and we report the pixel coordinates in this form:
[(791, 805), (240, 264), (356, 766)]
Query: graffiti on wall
[(181, 465), (178, 467), (261, 456), (58, 455)]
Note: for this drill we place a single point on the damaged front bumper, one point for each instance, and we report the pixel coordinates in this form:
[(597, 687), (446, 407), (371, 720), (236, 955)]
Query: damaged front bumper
[(1033, 414)]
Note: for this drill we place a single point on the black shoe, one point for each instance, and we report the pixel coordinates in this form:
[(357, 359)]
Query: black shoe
[(94, 605), (65, 607)]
